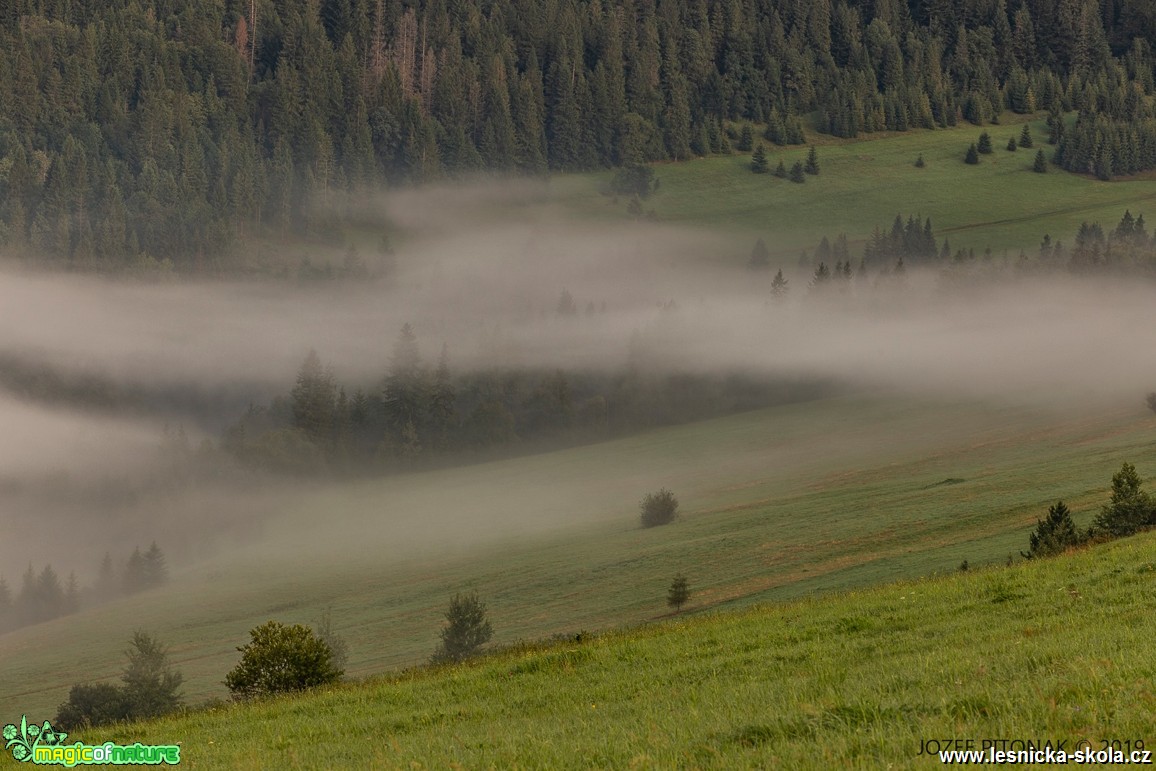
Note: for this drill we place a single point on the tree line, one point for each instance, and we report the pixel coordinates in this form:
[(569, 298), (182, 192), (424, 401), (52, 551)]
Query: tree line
[(421, 415), (1127, 248), (138, 131), (43, 596)]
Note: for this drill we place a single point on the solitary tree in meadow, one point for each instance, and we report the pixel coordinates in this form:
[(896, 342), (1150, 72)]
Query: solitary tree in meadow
[(972, 156), (984, 144), (466, 629), (1026, 136), (797, 173), (658, 508), (812, 165), (759, 163)]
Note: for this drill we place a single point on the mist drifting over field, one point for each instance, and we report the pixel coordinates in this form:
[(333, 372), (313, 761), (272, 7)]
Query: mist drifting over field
[(481, 270)]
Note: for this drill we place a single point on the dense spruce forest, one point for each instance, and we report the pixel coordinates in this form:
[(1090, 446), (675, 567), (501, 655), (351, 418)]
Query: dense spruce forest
[(133, 131)]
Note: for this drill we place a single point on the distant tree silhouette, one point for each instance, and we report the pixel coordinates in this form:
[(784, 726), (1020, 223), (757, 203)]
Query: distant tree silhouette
[(678, 593)]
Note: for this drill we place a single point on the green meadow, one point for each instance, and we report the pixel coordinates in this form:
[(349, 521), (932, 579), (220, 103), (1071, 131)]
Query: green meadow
[(1000, 204), (794, 501), (1050, 651)]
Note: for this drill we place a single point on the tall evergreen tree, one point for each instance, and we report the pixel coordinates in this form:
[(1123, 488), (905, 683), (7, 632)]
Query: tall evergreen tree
[(759, 160), (812, 165)]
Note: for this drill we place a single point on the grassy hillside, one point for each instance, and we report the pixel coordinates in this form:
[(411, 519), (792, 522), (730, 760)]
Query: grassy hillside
[(1051, 650), (1000, 203), (780, 503)]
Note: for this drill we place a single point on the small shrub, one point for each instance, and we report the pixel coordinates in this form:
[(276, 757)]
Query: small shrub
[(1152, 401), (91, 705), (279, 659), (658, 508), (919, 162)]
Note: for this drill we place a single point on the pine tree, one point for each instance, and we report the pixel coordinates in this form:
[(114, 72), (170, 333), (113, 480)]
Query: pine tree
[(1040, 166), (746, 139), (1055, 534), (405, 390), (812, 165), (1130, 507), (779, 287), (797, 173), (442, 398), (154, 571), (984, 143), (972, 156), (1026, 136), (760, 256), (151, 687), (781, 170), (759, 160), (678, 593), (134, 572), (313, 399), (1011, 145)]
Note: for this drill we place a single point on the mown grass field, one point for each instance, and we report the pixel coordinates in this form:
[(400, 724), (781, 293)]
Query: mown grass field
[(786, 502), (1055, 650), (865, 182)]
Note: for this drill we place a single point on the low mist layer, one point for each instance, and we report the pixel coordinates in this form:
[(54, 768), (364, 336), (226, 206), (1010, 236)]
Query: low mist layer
[(102, 379)]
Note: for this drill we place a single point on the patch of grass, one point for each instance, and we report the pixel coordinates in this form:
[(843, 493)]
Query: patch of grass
[(999, 203)]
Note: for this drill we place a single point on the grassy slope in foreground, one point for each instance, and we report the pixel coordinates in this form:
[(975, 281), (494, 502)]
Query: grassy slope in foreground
[(1056, 649), (1000, 203)]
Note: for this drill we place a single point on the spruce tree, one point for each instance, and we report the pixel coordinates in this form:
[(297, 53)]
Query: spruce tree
[(1130, 507), (972, 156), (812, 165), (746, 138), (678, 593), (313, 399), (154, 571), (1055, 534), (984, 143), (1026, 136), (779, 288), (781, 170), (1011, 145), (759, 160), (1040, 166), (150, 685), (797, 173), (760, 256), (405, 392), (919, 162)]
